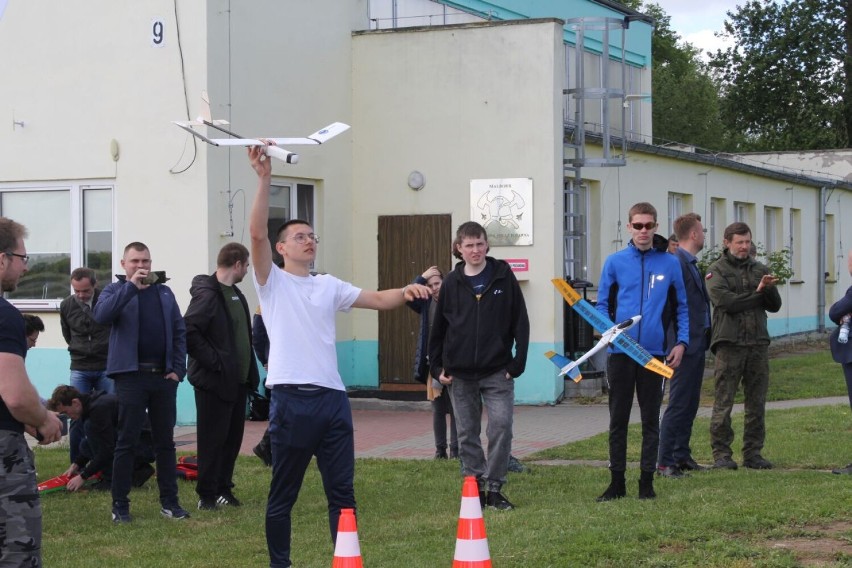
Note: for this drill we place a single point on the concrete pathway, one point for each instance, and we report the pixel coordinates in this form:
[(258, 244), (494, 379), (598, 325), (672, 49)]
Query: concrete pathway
[(403, 430)]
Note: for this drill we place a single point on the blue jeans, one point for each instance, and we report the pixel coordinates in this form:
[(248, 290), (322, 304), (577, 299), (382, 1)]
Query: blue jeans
[(307, 421), (86, 382), (138, 392), (497, 393)]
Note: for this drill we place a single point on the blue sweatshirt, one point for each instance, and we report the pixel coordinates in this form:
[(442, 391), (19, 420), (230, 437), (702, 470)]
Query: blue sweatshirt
[(641, 283)]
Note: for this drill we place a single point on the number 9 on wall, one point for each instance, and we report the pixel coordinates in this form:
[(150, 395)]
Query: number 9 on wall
[(158, 38)]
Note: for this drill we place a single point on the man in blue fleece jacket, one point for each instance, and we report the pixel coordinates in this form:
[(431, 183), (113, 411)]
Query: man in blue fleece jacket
[(641, 279)]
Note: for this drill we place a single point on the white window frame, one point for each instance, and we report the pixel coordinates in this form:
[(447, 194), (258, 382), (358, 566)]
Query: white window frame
[(75, 189)]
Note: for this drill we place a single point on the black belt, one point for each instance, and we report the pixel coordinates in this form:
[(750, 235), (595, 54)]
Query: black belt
[(143, 368), (306, 387)]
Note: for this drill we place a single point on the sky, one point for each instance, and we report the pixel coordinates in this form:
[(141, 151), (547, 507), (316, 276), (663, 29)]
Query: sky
[(695, 21)]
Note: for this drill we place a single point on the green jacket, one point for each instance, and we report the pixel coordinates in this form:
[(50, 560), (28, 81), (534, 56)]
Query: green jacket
[(739, 311)]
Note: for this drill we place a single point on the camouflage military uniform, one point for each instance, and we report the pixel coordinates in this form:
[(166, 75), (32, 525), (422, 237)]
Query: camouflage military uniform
[(20, 508), (740, 343)]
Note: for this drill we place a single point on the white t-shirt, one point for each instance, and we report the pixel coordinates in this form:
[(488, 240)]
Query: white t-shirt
[(299, 314)]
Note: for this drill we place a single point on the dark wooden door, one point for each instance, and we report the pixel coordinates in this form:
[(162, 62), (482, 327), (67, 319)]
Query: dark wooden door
[(408, 245)]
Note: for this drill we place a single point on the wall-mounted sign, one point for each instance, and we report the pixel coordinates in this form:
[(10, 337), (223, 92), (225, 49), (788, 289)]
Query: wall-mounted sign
[(505, 208), (518, 264)]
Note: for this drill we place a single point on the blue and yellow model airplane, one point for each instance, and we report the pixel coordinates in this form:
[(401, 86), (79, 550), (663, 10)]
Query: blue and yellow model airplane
[(610, 333)]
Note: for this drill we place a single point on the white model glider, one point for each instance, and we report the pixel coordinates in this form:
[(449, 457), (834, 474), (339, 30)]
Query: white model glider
[(610, 333), (318, 137)]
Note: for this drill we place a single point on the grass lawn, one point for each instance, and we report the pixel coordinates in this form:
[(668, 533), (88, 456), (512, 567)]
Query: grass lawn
[(408, 511), (811, 374)]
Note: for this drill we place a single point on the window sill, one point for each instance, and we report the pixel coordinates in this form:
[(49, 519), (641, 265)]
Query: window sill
[(36, 305)]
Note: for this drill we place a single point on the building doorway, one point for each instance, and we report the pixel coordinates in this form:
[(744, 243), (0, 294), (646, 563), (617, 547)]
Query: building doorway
[(408, 245)]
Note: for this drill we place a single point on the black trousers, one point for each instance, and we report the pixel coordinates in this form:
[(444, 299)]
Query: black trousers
[(220, 433), (625, 377)]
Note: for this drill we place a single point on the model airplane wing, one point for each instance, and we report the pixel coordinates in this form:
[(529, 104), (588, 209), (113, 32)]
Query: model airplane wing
[(638, 354), (566, 366), (582, 307), (205, 120), (604, 326)]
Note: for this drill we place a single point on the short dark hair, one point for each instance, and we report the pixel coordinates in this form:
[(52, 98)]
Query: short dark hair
[(684, 224), (32, 324), (287, 224), (230, 254), (63, 395), (642, 208), (10, 232), (136, 245), (82, 273), (472, 230), (673, 238), (738, 228)]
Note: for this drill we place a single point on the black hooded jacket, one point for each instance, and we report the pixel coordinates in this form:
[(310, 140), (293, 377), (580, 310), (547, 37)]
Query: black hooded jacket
[(472, 338), (209, 340)]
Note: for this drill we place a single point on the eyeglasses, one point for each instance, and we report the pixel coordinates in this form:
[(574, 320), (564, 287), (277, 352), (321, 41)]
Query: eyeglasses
[(639, 226), (32, 340), (24, 257), (302, 238)]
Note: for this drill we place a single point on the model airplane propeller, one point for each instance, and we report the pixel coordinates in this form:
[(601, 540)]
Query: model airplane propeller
[(318, 137), (611, 333)]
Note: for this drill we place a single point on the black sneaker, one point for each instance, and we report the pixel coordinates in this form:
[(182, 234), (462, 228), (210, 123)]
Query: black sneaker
[(441, 454), (843, 470), (498, 501), (690, 465), (757, 462), (227, 498), (264, 452), (174, 512), (515, 465), (725, 463), (670, 472), (121, 514), (208, 504)]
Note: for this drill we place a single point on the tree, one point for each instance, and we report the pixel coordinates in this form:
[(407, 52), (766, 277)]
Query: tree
[(685, 98), (786, 77)]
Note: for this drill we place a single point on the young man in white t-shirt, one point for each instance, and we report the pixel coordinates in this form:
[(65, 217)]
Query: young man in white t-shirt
[(309, 412)]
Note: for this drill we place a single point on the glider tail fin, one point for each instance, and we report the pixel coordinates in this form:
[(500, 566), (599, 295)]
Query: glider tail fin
[(566, 366)]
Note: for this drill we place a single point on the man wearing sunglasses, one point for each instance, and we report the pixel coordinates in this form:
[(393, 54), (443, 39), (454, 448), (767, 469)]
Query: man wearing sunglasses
[(641, 279), (20, 411), (309, 413)]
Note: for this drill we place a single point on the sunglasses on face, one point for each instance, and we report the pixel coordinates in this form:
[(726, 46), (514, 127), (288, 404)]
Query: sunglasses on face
[(639, 226)]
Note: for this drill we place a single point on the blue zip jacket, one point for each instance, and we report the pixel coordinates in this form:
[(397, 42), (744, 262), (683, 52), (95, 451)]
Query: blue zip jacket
[(641, 283), (119, 305)]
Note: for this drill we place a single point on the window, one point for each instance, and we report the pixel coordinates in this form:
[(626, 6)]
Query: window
[(716, 224), (795, 243), (831, 272), (679, 203), (68, 225), (744, 213), (285, 197), (772, 228)]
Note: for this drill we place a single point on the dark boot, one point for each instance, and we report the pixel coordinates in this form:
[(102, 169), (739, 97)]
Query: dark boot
[(616, 489), (646, 485)]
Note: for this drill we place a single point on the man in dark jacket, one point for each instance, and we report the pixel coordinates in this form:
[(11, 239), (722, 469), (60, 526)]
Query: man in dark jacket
[(222, 369), (480, 316), (742, 290), (675, 455), (97, 413), (147, 360), (842, 350), (88, 343)]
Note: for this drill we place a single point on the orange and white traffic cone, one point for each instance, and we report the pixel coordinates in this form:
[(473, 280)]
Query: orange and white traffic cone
[(471, 542), (347, 552)]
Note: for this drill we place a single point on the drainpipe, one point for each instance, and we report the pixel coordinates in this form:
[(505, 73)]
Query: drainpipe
[(821, 246)]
